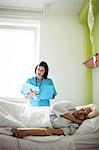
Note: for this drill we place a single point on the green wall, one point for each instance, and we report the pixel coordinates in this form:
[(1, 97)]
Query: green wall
[(83, 14)]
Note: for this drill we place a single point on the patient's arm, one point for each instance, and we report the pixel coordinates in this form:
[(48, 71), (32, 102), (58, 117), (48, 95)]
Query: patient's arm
[(71, 117), (22, 132)]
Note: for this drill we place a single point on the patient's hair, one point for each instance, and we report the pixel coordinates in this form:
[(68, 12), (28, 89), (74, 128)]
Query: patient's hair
[(43, 64)]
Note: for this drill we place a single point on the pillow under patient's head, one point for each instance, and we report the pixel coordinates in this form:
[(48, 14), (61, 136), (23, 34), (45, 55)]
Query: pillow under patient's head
[(95, 111)]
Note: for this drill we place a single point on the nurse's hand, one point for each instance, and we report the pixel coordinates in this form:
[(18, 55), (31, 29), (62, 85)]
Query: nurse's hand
[(31, 95)]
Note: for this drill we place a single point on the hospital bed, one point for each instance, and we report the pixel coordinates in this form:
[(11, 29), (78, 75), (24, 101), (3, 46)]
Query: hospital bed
[(19, 114)]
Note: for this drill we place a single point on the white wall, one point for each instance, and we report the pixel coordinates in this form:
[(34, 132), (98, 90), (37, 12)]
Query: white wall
[(62, 47), (96, 85)]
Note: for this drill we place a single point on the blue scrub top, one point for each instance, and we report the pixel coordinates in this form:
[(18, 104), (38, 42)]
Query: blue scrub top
[(46, 92)]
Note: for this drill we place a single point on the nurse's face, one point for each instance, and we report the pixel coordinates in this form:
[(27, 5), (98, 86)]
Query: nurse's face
[(40, 72)]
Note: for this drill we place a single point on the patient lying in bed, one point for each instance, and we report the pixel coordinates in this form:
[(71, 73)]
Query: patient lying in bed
[(63, 124), (69, 121)]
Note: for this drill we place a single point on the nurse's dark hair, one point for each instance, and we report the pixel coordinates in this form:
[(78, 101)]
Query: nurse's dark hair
[(43, 64)]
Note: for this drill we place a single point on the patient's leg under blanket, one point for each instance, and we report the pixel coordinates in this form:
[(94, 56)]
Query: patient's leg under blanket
[(22, 132)]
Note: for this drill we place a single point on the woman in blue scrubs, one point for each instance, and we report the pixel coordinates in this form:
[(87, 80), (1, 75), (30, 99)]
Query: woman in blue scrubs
[(45, 85)]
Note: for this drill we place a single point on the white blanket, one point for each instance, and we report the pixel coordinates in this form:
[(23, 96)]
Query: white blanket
[(14, 114), (19, 114)]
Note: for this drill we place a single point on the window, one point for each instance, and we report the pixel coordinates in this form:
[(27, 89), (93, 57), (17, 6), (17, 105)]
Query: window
[(19, 53)]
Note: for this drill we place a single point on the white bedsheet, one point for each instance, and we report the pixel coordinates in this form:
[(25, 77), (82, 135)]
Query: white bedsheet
[(8, 142), (88, 126), (87, 141)]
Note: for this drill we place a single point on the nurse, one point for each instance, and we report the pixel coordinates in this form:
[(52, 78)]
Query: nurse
[(45, 85)]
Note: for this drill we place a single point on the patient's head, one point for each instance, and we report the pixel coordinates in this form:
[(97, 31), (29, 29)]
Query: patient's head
[(87, 110), (82, 113)]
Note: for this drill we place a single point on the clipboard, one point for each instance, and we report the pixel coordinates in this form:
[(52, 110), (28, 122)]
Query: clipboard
[(29, 88)]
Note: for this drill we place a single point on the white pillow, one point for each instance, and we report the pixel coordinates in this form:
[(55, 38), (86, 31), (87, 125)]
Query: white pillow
[(62, 107), (88, 126), (95, 110)]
